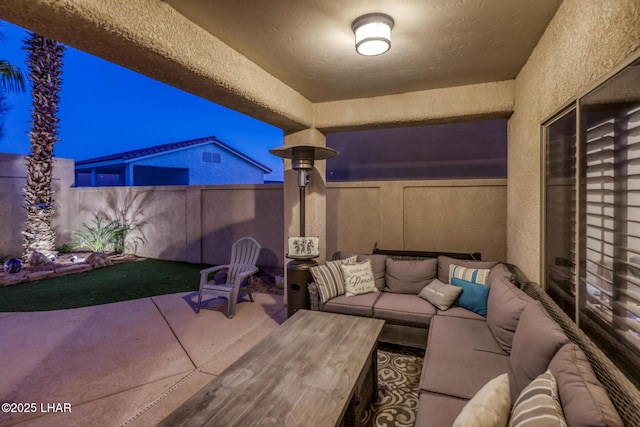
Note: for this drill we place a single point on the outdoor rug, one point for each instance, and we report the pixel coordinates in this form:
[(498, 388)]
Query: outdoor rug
[(398, 381)]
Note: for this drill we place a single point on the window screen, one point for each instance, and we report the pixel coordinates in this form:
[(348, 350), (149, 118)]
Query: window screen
[(472, 150)]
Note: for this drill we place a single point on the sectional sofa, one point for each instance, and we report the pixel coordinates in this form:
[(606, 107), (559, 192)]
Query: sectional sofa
[(514, 343)]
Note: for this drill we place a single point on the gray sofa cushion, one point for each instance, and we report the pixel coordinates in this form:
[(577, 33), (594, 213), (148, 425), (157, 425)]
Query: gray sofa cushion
[(404, 309), (535, 342), (359, 305), (584, 399), (501, 271), (460, 312), (504, 307), (377, 263), (444, 262), (436, 410), (453, 367), (409, 276)]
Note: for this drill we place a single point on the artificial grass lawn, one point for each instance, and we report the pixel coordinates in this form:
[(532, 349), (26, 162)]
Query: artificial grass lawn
[(120, 282)]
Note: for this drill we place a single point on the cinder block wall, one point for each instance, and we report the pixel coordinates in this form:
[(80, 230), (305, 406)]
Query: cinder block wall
[(189, 223), (449, 216)]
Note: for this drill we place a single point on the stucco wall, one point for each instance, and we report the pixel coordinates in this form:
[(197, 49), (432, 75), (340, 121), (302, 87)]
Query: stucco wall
[(480, 101), (451, 216), (189, 223), (583, 43), (13, 178)]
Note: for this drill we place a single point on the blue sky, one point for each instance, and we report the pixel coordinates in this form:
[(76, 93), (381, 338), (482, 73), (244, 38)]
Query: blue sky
[(106, 109)]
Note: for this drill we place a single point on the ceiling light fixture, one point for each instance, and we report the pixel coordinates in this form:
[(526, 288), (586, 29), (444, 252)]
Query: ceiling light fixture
[(373, 33)]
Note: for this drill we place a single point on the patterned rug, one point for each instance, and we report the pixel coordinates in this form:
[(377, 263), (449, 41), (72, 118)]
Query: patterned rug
[(399, 371)]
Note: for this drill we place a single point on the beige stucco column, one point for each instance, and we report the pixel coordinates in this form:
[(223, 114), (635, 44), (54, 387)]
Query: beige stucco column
[(315, 202)]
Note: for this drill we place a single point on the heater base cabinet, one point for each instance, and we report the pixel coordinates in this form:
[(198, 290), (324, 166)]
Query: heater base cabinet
[(298, 276)]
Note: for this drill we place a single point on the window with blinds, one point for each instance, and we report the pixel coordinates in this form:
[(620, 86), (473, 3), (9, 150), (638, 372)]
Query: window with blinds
[(610, 276), (592, 216)]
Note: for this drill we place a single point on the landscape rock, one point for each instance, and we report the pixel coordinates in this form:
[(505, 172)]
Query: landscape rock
[(39, 262), (98, 260)]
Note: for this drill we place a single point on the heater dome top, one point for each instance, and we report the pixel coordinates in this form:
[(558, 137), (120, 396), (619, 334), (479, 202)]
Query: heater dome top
[(303, 152)]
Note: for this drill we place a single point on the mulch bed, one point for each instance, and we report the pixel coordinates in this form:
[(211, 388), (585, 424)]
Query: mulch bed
[(264, 281)]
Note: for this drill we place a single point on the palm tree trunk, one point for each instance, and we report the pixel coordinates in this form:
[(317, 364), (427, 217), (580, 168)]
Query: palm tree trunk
[(44, 62)]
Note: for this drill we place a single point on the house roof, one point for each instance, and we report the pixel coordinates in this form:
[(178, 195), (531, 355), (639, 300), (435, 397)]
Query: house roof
[(128, 156)]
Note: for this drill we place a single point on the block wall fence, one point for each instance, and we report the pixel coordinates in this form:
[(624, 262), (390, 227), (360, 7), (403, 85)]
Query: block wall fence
[(199, 223)]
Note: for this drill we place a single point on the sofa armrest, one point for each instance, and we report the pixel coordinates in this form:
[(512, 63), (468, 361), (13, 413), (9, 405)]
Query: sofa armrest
[(314, 296)]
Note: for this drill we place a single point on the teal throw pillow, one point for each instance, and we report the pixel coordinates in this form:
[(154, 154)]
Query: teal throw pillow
[(474, 296)]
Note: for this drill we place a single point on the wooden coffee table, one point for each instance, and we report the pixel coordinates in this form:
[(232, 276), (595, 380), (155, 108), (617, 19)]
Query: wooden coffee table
[(305, 373)]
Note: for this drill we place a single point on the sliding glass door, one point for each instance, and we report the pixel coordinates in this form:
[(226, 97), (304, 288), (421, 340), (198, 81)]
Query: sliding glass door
[(560, 210)]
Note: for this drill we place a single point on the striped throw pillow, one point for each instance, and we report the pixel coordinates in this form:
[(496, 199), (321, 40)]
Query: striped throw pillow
[(329, 278), (473, 275), (538, 405)]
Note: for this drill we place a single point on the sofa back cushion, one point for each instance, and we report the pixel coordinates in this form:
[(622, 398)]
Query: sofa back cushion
[(504, 307), (409, 276), (584, 399), (444, 262), (501, 271), (535, 342)]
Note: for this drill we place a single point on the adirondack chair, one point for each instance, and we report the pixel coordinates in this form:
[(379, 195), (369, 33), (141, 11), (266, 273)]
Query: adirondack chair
[(244, 254)]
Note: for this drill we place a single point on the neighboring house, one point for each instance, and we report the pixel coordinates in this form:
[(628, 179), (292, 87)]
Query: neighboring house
[(195, 162)]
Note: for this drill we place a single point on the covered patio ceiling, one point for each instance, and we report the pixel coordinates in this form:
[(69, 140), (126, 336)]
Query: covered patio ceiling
[(293, 64), (309, 45)]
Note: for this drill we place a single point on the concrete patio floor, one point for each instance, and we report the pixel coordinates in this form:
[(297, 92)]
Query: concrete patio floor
[(128, 363)]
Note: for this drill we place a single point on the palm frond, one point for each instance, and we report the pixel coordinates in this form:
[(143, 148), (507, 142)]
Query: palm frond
[(12, 77)]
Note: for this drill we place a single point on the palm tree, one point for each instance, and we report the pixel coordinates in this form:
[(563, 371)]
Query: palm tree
[(11, 78), (44, 62)]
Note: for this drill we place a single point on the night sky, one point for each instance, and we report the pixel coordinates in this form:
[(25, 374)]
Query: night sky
[(106, 109)]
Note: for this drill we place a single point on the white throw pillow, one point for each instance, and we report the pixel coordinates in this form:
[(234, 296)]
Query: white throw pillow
[(489, 407), (358, 278)]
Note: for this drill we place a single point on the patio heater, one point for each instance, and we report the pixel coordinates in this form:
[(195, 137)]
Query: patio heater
[(298, 269)]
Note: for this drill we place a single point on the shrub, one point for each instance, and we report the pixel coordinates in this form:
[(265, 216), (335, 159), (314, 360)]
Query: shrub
[(105, 236), (65, 249)]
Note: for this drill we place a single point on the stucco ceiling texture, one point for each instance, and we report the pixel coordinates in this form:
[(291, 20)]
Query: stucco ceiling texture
[(309, 45)]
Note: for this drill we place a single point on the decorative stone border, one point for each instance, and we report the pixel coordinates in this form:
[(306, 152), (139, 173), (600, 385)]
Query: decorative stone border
[(62, 267)]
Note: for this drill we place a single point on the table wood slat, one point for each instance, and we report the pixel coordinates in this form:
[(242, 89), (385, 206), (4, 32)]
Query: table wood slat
[(302, 374)]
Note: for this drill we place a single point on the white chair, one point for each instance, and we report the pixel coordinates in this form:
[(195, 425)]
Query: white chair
[(244, 255)]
